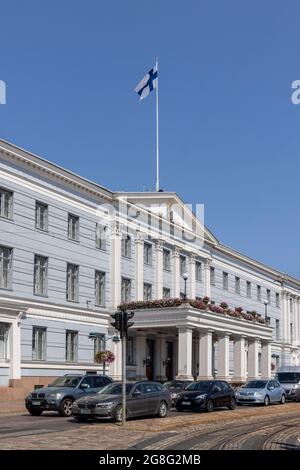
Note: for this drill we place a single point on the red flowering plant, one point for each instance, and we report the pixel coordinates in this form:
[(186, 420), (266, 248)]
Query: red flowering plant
[(206, 300), (224, 305), (104, 356)]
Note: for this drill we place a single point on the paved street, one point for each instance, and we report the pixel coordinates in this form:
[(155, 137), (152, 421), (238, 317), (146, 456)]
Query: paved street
[(273, 427)]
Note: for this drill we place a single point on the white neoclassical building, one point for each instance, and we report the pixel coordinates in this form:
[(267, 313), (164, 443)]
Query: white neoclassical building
[(72, 251)]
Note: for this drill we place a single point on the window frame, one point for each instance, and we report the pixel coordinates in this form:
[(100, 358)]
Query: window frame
[(126, 248), (148, 254), (76, 299), (9, 261), (146, 286), (35, 267), (225, 280), (166, 259), (36, 329), (39, 204), (73, 218), (125, 283), (75, 346), (198, 271), (100, 241), (3, 194), (102, 286)]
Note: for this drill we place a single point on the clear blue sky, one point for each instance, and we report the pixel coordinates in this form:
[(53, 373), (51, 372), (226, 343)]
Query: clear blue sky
[(230, 136)]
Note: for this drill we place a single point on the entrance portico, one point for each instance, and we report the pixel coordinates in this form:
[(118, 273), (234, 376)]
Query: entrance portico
[(235, 338)]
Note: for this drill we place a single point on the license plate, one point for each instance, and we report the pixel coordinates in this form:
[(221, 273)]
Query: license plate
[(36, 403), (186, 402), (85, 412)]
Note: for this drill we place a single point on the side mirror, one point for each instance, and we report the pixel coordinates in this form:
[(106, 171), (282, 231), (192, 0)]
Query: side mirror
[(270, 387), (137, 393), (84, 386)]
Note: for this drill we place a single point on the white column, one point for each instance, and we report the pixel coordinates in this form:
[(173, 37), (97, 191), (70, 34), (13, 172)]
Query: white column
[(205, 355), (185, 339), (160, 356), (192, 276), (15, 350), (115, 266), (285, 318), (223, 356), (297, 320), (141, 354), (239, 360), (176, 272), (207, 286), (253, 346), (265, 359), (116, 366), (159, 276), (139, 266)]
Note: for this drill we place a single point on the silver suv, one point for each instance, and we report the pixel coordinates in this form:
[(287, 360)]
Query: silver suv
[(289, 377), (60, 395)]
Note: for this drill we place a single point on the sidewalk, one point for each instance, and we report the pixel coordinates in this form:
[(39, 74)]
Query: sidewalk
[(12, 407)]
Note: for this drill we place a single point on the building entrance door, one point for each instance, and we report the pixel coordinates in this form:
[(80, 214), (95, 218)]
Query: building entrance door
[(150, 359), (169, 361)]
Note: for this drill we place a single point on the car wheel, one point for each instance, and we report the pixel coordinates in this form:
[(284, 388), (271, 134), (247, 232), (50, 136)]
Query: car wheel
[(267, 400), (66, 407), (232, 404), (118, 414), (35, 412), (162, 410), (209, 406), (282, 399)]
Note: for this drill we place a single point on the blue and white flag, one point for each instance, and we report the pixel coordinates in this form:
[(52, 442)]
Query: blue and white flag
[(147, 84)]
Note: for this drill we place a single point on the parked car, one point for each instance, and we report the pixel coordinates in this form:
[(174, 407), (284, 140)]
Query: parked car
[(175, 387), (206, 395), (60, 395), (261, 391), (289, 378), (143, 399)]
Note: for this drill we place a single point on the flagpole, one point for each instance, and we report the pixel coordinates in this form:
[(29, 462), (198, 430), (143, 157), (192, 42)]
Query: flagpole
[(157, 141)]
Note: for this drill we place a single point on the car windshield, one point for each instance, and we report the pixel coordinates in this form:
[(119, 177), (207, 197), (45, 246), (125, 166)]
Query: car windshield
[(205, 386), (256, 384), (114, 389), (174, 384), (288, 377), (66, 381)]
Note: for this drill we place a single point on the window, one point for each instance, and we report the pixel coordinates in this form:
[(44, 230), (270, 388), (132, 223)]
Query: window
[(126, 290), (72, 282), (258, 293), (212, 276), (237, 285), (166, 260), (269, 296), (259, 363), (147, 253), (198, 267), (99, 343), (100, 237), (291, 305), (166, 293), (41, 216), (40, 282), (5, 267), (277, 300), (6, 199), (4, 330), (71, 346), (38, 343), (99, 288), (182, 260), (277, 329), (291, 333), (130, 351), (147, 291), (73, 227), (182, 295), (248, 289), (225, 281), (126, 246)]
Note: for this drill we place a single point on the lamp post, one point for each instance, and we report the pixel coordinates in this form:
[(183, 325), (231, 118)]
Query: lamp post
[(185, 278), (266, 310), (93, 335)]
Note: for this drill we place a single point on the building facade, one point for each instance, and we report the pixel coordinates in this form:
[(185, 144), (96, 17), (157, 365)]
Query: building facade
[(71, 251)]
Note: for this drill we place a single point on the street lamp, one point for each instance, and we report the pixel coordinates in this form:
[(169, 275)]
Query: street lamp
[(266, 310), (185, 278), (94, 335)]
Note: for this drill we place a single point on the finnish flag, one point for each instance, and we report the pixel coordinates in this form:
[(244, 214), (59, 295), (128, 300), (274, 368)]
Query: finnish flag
[(147, 84)]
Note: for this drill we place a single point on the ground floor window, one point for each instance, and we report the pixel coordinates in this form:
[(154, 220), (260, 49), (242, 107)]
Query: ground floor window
[(38, 343), (130, 351), (4, 330), (71, 346), (99, 344)]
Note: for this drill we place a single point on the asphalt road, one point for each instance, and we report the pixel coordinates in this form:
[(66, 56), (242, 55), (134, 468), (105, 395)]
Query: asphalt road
[(274, 427)]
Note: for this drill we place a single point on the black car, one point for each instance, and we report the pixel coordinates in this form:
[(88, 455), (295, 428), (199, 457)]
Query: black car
[(143, 399), (206, 395), (175, 387)]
